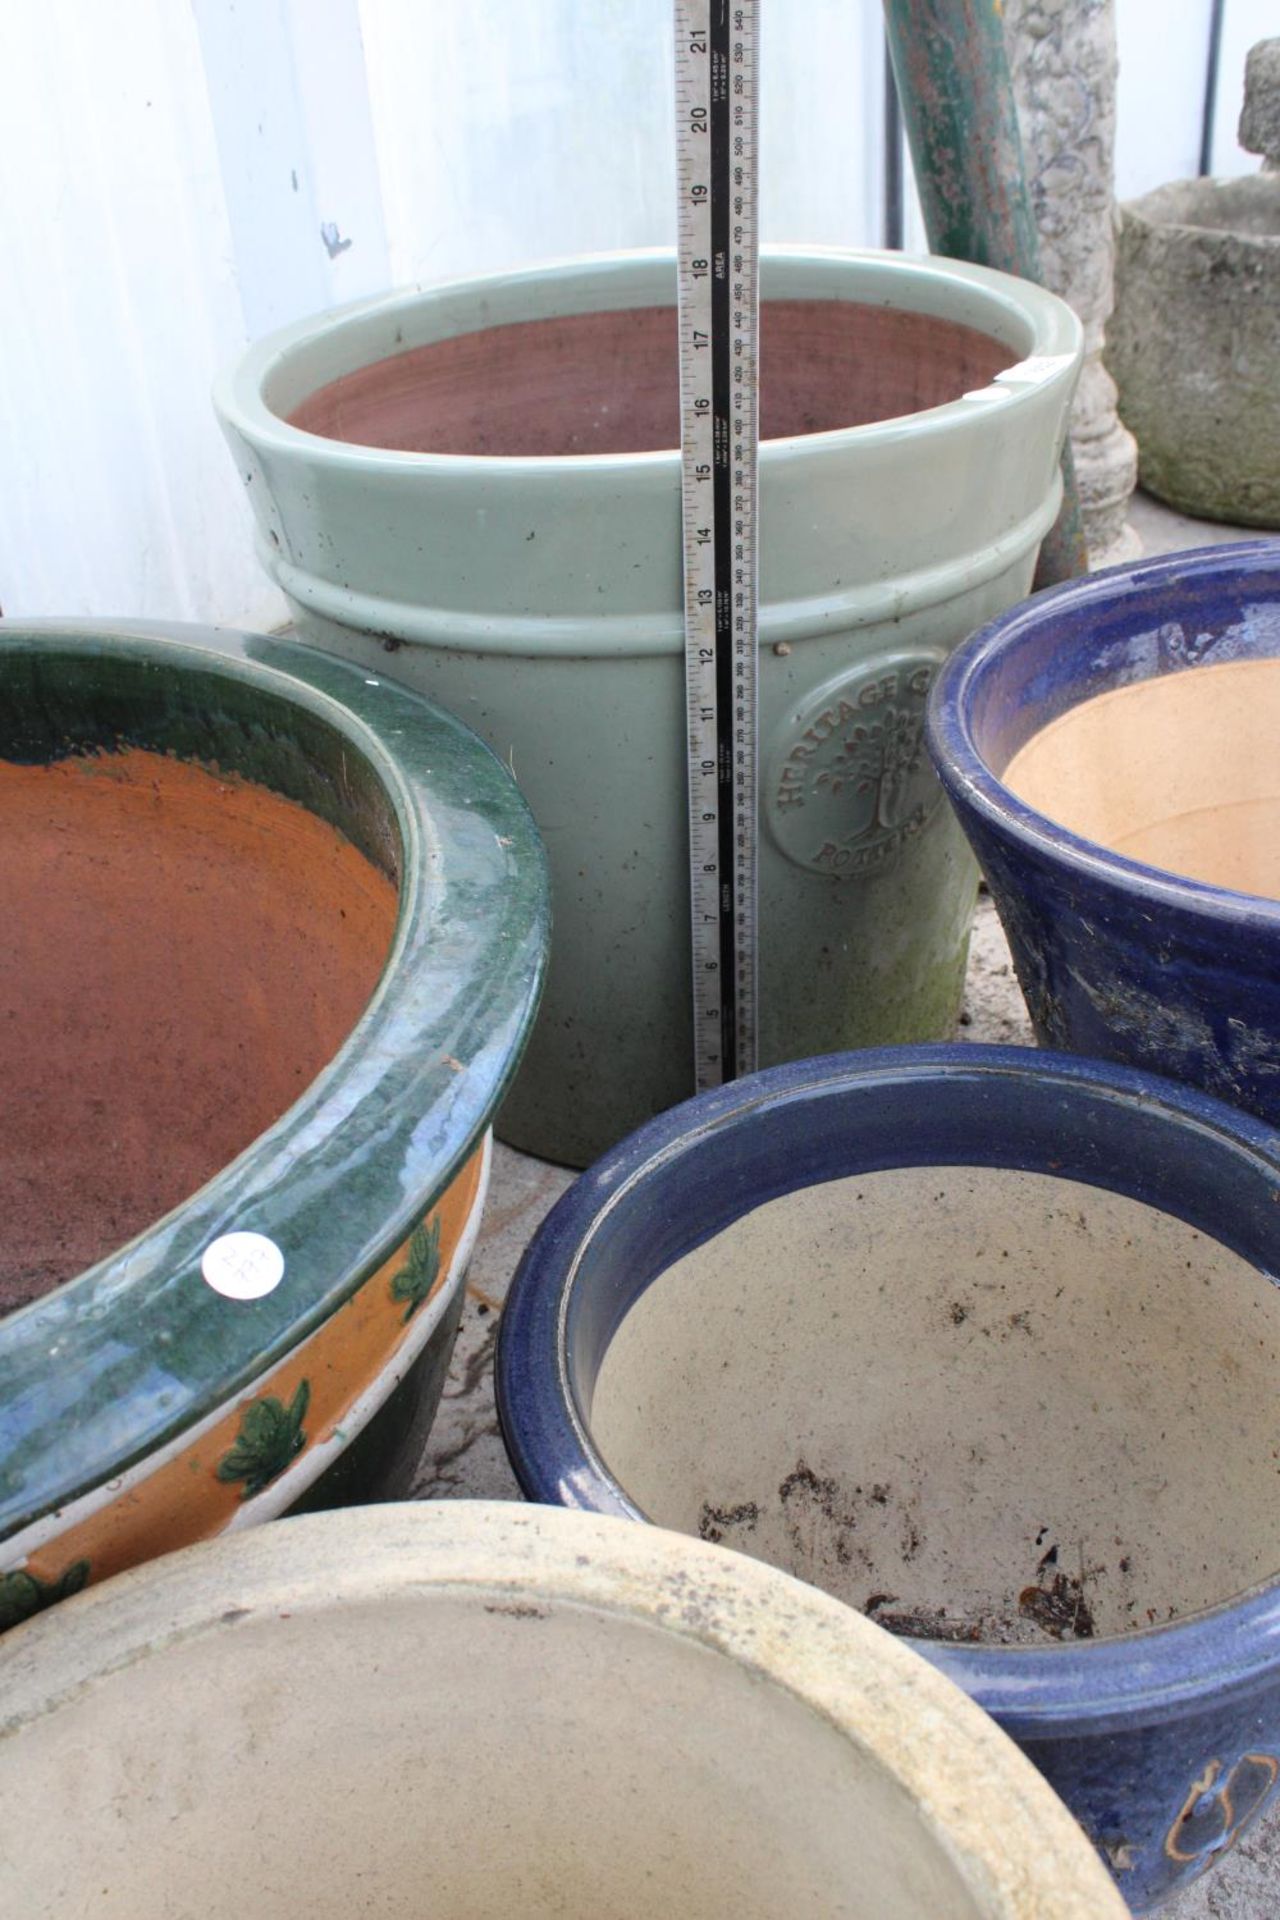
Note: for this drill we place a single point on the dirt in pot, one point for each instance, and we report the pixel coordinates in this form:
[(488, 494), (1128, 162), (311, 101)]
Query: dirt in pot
[(608, 382), (183, 952), (978, 1404)]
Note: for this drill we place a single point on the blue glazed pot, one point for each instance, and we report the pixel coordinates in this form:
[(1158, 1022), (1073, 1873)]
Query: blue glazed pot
[(910, 1321), (1117, 958)]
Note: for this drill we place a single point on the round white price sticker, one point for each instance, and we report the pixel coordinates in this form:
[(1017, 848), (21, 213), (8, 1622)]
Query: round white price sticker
[(243, 1266)]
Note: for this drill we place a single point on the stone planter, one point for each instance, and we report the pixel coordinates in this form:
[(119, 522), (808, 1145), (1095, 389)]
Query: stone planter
[(275, 933), (475, 487), (1110, 750), (983, 1342), (1194, 345), (482, 1711)]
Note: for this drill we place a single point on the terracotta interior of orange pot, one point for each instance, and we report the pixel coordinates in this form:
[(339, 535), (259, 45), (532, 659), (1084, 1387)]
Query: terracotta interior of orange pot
[(184, 951), (1180, 772), (607, 382)]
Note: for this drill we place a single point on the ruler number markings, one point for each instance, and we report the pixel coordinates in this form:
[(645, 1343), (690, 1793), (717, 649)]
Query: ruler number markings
[(716, 144)]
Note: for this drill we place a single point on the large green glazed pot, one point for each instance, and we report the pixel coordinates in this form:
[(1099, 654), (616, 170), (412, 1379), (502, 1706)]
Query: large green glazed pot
[(475, 487), (176, 803)]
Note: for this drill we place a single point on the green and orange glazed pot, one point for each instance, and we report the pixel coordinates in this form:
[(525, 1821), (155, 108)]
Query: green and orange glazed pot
[(275, 933)]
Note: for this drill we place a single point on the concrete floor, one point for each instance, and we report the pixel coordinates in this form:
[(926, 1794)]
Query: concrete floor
[(465, 1457)]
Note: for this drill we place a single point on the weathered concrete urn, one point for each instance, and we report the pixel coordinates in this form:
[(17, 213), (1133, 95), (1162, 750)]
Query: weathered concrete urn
[(1194, 341)]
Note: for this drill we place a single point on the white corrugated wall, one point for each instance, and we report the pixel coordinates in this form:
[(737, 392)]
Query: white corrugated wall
[(177, 176)]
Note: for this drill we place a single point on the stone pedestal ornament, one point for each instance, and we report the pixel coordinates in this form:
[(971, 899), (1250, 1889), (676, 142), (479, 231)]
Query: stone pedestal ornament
[(1259, 130), (1062, 57)]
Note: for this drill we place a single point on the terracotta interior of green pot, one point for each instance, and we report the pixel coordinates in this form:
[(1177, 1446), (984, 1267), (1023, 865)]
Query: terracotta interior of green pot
[(977, 1403), (608, 382), (185, 949), (1181, 772)]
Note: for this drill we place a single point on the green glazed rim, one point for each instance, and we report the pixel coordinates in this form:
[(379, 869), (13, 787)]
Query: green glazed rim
[(122, 1359)]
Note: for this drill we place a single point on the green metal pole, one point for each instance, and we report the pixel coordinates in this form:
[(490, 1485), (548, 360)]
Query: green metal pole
[(962, 124)]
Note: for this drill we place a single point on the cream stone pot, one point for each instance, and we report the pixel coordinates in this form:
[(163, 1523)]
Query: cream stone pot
[(478, 1712), (476, 488)]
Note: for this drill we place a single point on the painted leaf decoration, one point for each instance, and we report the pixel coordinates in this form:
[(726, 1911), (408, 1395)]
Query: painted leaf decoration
[(20, 1597), (23, 1594), (417, 1276), (271, 1435), (73, 1578)]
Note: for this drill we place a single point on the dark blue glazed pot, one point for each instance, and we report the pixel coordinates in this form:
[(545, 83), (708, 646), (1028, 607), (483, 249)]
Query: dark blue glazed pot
[(1119, 959), (953, 1318)]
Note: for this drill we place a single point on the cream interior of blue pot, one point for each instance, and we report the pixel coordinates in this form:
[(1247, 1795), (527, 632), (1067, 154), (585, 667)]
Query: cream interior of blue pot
[(978, 1403)]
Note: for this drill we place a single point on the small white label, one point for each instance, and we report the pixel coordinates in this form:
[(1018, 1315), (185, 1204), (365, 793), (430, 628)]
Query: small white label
[(243, 1266), (1038, 366)]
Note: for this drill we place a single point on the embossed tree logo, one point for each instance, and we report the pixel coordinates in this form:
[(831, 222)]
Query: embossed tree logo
[(878, 756)]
